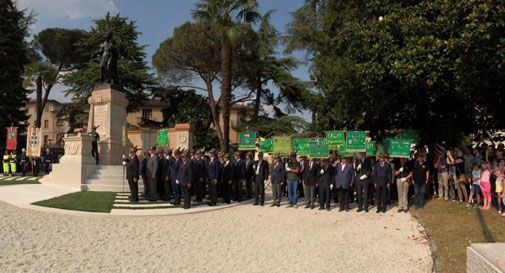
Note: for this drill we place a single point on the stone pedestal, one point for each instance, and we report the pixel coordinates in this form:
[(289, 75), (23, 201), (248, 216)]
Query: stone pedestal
[(75, 166), (108, 111), (485, 258), (181, 136)]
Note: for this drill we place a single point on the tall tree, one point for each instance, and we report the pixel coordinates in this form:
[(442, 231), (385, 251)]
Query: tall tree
[(192, 55), (133, 72), (226, 14), (59, 51), (14, 54), (399, 64)]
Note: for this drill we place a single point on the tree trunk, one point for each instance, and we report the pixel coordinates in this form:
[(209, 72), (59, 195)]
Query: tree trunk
[(259, 90), (38, 103), (225, 91), (214, 112)]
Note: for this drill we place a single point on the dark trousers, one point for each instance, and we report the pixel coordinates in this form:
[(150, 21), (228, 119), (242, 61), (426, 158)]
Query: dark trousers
[(167, 189), (419, 190), (213, 192), (310, 195), (199, 189), (381, 196), (324, 196), (176, 191), (186, 194), (152, 194), (146, 185), (343, 198), (134, 189), (24, 167), (248, 187), (277, 192), (35, 169), (259, 190), (237, 188), (226, 190), (362, 187), (94, 150)]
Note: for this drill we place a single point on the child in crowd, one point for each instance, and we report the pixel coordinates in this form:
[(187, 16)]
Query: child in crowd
[(475, 186), (485, 185)]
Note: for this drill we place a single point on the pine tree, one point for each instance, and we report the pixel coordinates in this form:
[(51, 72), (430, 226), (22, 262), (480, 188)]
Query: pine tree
[(14, 54)]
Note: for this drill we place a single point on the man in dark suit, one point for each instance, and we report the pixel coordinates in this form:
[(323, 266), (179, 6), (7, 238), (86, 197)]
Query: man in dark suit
[(238, 177), (174, 170), (163, 176), (152, 174), (213, 173), (261, 171), (310, 182), (132, 175), (382, 177), (277, 179), (143, 172), (199, 176), (363, 167), (344, 177), (185, 178), (227, 178), (325, 175), (249, 175)]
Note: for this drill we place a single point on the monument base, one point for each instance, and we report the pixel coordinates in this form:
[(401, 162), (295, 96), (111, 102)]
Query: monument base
[(75, 166)]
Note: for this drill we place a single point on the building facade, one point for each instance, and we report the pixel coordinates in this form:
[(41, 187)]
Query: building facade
[(53, 126)]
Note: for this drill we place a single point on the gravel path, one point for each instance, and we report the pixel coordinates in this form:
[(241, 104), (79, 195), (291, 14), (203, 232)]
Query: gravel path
[(238, 239)]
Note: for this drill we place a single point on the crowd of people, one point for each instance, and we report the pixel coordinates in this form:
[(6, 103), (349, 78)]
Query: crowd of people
[(382, 182), (20, 164)]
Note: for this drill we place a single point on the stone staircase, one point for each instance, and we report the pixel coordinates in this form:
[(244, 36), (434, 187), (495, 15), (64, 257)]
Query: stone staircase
[(109, 178)]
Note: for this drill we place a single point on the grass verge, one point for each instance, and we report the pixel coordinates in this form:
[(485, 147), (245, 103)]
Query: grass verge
[(82, 201), (453, 227), (4, 182)]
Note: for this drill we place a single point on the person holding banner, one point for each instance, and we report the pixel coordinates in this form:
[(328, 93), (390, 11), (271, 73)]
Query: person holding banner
[(363, 167), (382, 178)]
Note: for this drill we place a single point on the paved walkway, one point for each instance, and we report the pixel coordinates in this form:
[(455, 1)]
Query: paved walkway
[(24, 195)]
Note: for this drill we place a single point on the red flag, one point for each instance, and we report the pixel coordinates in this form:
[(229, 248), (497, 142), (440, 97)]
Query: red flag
[(12, 138)]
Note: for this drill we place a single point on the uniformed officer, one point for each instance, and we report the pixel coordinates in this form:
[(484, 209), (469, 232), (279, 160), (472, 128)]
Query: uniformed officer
[(363, 167), (23, 159), (163, 176), (227, 178), (174, 170), (238, 177), (6, 161), (94, 143), (213, 173), (325, 175), (47, 161), (382, 176), (199, 176), (132, 175), (185, 178), (13, 163), (249, 174), (261, 171)]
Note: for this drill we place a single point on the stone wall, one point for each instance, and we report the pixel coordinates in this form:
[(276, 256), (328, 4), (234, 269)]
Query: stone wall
[(486, 258)]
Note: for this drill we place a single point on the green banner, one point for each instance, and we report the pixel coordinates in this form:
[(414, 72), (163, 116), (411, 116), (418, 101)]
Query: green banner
[(343, 151), (335, 137), (399, 147), (163, 137), (301, 146), (282, 145), (370, 148), (318, 148), (266, 146), (410, 134), (247, 141), (356, 141)]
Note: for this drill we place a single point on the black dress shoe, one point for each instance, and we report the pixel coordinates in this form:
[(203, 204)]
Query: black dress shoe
[(278, 205), (321, 208), (400, 210), (262, 204), (328, 209), (378, 211), (339, 210), (273, 205), (312, 207), (383, 211), (255, 204), (366, 210), (307, 206), (360, 210)]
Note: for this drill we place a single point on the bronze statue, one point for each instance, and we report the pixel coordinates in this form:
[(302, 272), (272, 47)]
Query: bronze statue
[(108, 63)]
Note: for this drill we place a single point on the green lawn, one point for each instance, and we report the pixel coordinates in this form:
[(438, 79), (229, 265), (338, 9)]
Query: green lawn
[(82, 201), (452, 227)]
